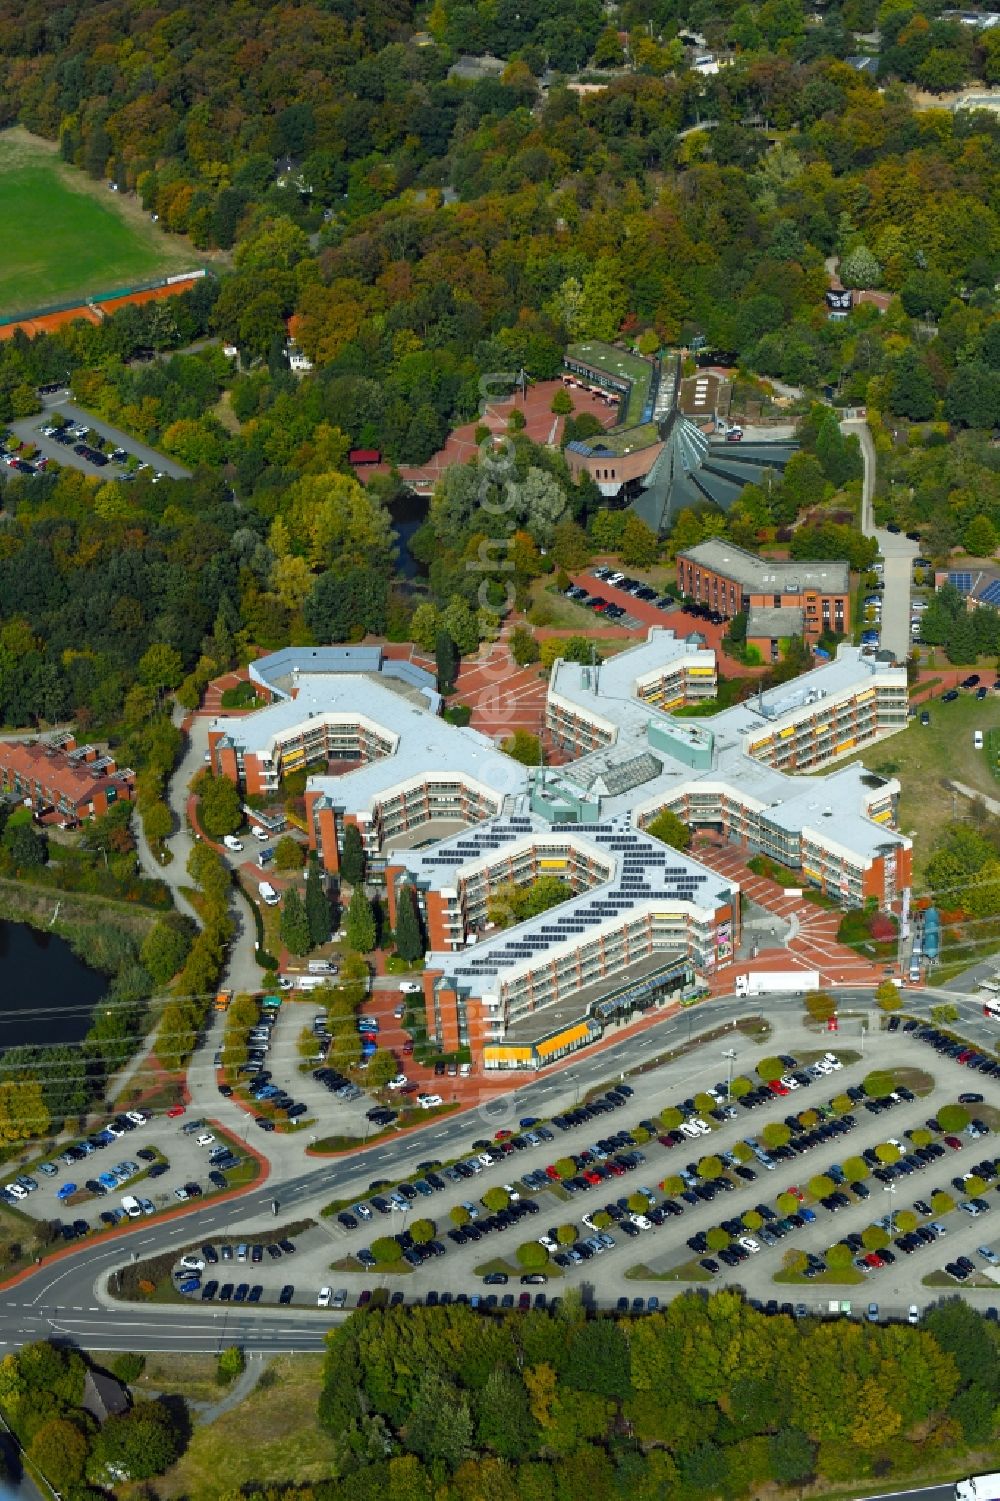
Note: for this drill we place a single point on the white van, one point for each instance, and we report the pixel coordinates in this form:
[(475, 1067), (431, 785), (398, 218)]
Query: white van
[(232, 843), (309, 982), (131, 1206), (322, 967), (268, 895), (977, 739)]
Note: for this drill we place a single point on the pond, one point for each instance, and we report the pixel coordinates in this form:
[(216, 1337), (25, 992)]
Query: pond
[(408, 512), (48, 993)]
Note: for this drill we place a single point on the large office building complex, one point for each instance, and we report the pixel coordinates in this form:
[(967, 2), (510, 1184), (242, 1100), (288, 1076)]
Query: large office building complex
[(446, 815)]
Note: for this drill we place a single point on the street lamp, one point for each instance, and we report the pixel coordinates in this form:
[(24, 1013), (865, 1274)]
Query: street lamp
[(890, 1188), (730, 1057)]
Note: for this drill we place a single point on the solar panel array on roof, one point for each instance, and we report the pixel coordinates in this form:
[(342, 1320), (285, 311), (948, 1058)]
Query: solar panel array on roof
[(991, 594), (962, 581)]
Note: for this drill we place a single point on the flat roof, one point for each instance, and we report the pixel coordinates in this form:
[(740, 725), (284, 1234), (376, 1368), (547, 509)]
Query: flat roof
[(754, 573), (422, 743), (786, 620), (618, 442)]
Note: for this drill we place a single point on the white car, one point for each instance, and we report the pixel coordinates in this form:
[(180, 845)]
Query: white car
[(547, 1242), (686, 1129), (700, 1126), (789, 1081), (232, 843), (137, 1117), (410, 987), (182, 1194), (206, 1139), (641, 1222), (749, 1244), (399, 1082), (430, 1100), (512, 1193), (323, 1297), (192, 1263), (913, 1315), (259, 833), (16, 1190), (832, 1060), (988, 1255)]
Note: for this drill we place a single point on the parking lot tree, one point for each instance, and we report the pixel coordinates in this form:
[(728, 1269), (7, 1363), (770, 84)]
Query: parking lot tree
[(703, 1102), (820, 1005), (874, 1238), (317, 905), (288, 853), (905, 1221), (975, 1186), (459, 1215), (942, 1203), (409, 938), (359, 928), (295, 933), (566, 1167), (673, 1185), (385, 1249), (220, 807), (808, 1119), (532, 1256), (382, 1067), (887, 996), (877, 1084), (602, 1220), (670, 1118), (742, 1152), (776, 1134), (495, 1199), (567, 1235), (945, 1014), (423, 1231), (856, 1169), (820, 1186), (887, 1153), (794, 1260), (842, 1104), (740, 1086), (752, 1219), (710, 1167), (953, 1118), (637, 1203), (717, 1238), (352, 859), (640, 1135), (787, 1203), (839, 1256), (770, 1069)]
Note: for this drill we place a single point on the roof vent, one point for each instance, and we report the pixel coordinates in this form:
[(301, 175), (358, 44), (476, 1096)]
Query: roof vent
[(827, 812)]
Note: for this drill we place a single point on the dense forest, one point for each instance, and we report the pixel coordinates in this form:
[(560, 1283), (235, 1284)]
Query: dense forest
[(707, 1398)]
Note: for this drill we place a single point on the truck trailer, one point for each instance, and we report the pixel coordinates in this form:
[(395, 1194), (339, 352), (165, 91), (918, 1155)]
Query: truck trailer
[(778, 982), (979, 1488)]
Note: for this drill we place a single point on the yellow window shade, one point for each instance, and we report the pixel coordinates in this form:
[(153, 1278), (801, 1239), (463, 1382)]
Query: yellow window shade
[(553, 864), (506, 1055), (567, 1039)]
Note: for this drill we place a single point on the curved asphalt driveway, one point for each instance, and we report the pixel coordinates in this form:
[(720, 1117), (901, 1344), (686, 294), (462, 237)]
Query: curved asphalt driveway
[(897, 550)]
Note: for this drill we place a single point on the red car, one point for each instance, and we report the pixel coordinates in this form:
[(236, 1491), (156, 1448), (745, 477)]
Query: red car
[(552, 1172), (408, 1048), (665, 1141), (873, 1259), (953, 1142), (616, 1170), (797, 1193), (591, 1177), (502, 1135), (524, 1301), (176, 1110)]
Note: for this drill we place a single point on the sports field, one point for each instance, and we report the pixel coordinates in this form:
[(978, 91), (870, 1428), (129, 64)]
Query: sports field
[(63, 236)]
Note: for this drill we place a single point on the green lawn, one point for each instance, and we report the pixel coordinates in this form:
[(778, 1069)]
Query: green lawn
[(78, 244), (924, 757)]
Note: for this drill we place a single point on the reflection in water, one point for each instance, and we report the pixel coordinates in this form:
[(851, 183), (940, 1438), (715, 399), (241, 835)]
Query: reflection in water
[(46, 993)]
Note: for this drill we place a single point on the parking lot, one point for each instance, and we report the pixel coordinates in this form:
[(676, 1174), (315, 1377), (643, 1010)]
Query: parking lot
[(658, 1241), (137, 1165), (28, 430), (614, 597)]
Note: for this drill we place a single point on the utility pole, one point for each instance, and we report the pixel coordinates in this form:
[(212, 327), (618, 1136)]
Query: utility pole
[(730, 1056)]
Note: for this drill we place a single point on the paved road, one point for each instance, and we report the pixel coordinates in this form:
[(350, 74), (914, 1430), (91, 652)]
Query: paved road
[(65, 1297), (897, 550), (26, 429)]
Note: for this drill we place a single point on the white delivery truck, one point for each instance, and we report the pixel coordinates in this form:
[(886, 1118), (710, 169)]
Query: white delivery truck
[(979, 1488), (778, 982)]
